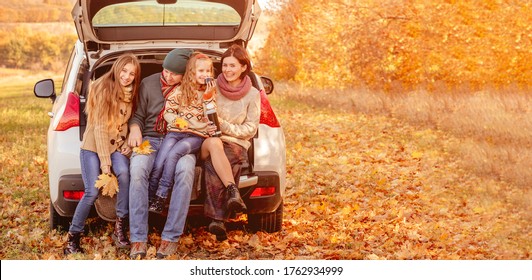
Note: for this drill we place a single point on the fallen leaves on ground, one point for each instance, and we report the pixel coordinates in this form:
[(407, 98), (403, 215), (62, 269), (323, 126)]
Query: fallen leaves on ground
[(358, 187)]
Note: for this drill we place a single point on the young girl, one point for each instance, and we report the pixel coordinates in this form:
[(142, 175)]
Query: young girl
[(186, 125), (238, 112), (104, 149)]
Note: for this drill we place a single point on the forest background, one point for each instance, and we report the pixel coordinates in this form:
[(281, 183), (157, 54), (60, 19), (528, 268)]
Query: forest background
[(408, 127)]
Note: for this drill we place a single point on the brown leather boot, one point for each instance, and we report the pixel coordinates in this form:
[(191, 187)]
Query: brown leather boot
[(120, 233), (234, 202), (166, 249), (72, 245), (138, 250), (217, 228)]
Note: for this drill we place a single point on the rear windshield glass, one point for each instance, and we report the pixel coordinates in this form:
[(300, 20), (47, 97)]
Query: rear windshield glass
[(150, 13)]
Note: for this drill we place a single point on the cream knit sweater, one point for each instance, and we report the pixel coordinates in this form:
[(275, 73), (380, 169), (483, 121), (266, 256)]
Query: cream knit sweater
[(239, 120)]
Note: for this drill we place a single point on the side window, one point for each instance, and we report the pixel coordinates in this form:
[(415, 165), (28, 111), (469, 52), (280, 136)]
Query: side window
[(68, 70)]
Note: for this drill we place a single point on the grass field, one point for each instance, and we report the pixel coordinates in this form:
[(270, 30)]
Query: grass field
[(370, 176)]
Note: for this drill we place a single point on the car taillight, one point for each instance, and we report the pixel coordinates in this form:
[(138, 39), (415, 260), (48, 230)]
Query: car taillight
[(263, 191), (75, 195), (267, 116), (70, 117)]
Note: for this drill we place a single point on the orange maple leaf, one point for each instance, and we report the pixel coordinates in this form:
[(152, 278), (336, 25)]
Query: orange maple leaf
[(144, 148), (108, 184)]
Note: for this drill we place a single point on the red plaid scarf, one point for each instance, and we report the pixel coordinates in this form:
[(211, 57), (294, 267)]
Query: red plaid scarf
[(166, 89)]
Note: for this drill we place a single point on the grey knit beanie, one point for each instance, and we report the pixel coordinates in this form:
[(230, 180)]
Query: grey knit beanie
[(176, 60)]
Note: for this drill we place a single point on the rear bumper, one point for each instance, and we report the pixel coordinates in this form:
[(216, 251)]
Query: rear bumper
[(263, 204), (248, 183), (66, 207)]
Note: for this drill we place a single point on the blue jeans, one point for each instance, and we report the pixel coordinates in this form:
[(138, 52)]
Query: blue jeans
[(140, 167), (90, 170), (174, 146)]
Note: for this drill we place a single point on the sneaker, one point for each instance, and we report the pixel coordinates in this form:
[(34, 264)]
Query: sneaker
[(166, 249), (157, 205), (138, 250), (235, 202), (217, 228)]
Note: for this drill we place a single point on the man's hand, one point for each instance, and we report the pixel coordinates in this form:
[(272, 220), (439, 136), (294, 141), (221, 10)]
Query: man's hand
[(135, 136)]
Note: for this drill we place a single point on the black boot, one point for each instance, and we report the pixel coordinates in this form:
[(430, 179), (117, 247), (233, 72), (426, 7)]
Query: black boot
[(217, 228), (157, 205), (120, 233), (234, 201), (72, 245)]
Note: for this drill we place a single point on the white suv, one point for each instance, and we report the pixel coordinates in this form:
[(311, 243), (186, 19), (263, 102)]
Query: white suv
[(150, 29)]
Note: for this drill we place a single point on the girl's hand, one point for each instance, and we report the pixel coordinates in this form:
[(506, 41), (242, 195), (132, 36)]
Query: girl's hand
[(126, 150), (211, 128), (106, 169), (210, 90)]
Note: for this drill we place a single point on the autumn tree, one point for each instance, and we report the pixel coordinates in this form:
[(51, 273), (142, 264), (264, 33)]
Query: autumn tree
[(397, 45)]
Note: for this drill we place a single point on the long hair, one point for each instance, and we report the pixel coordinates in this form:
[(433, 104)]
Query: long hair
[(106, 91), (241, 55), (189, 85)]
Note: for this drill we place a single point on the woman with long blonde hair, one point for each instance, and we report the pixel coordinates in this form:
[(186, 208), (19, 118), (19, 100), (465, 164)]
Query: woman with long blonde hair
[(104, 150)]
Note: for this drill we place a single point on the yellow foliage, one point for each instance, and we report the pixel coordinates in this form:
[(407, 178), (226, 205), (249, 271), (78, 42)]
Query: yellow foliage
[(180, 123), (400, 45), (108, 184), (144, 148), (417, 154)]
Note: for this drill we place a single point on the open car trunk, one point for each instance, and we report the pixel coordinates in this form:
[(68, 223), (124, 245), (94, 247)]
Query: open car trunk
[(151, 64)]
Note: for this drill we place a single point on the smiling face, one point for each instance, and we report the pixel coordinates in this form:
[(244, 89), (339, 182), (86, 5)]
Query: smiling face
[(203, 70), (127, 75), (171, 77), (232, 70)]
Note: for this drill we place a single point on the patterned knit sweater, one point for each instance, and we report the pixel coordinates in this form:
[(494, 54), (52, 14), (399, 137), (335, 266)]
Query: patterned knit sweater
[(189, 119), (105, 140)]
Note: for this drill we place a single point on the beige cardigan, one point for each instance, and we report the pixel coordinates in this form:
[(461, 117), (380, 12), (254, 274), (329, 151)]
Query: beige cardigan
[(104, 141)]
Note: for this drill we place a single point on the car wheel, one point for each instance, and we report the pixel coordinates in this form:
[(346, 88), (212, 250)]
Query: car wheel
[(268, 222), (57, 221)]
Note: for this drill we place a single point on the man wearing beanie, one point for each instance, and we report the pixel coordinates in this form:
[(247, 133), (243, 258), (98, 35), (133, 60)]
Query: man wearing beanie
[(143, 126)]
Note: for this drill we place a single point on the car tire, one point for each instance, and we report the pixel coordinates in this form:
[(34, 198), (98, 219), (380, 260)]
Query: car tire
[(268, 222), (57, 221)]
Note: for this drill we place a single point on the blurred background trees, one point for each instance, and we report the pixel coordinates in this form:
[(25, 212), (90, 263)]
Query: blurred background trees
[(36, 34), (389, 45), (400, 44)]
